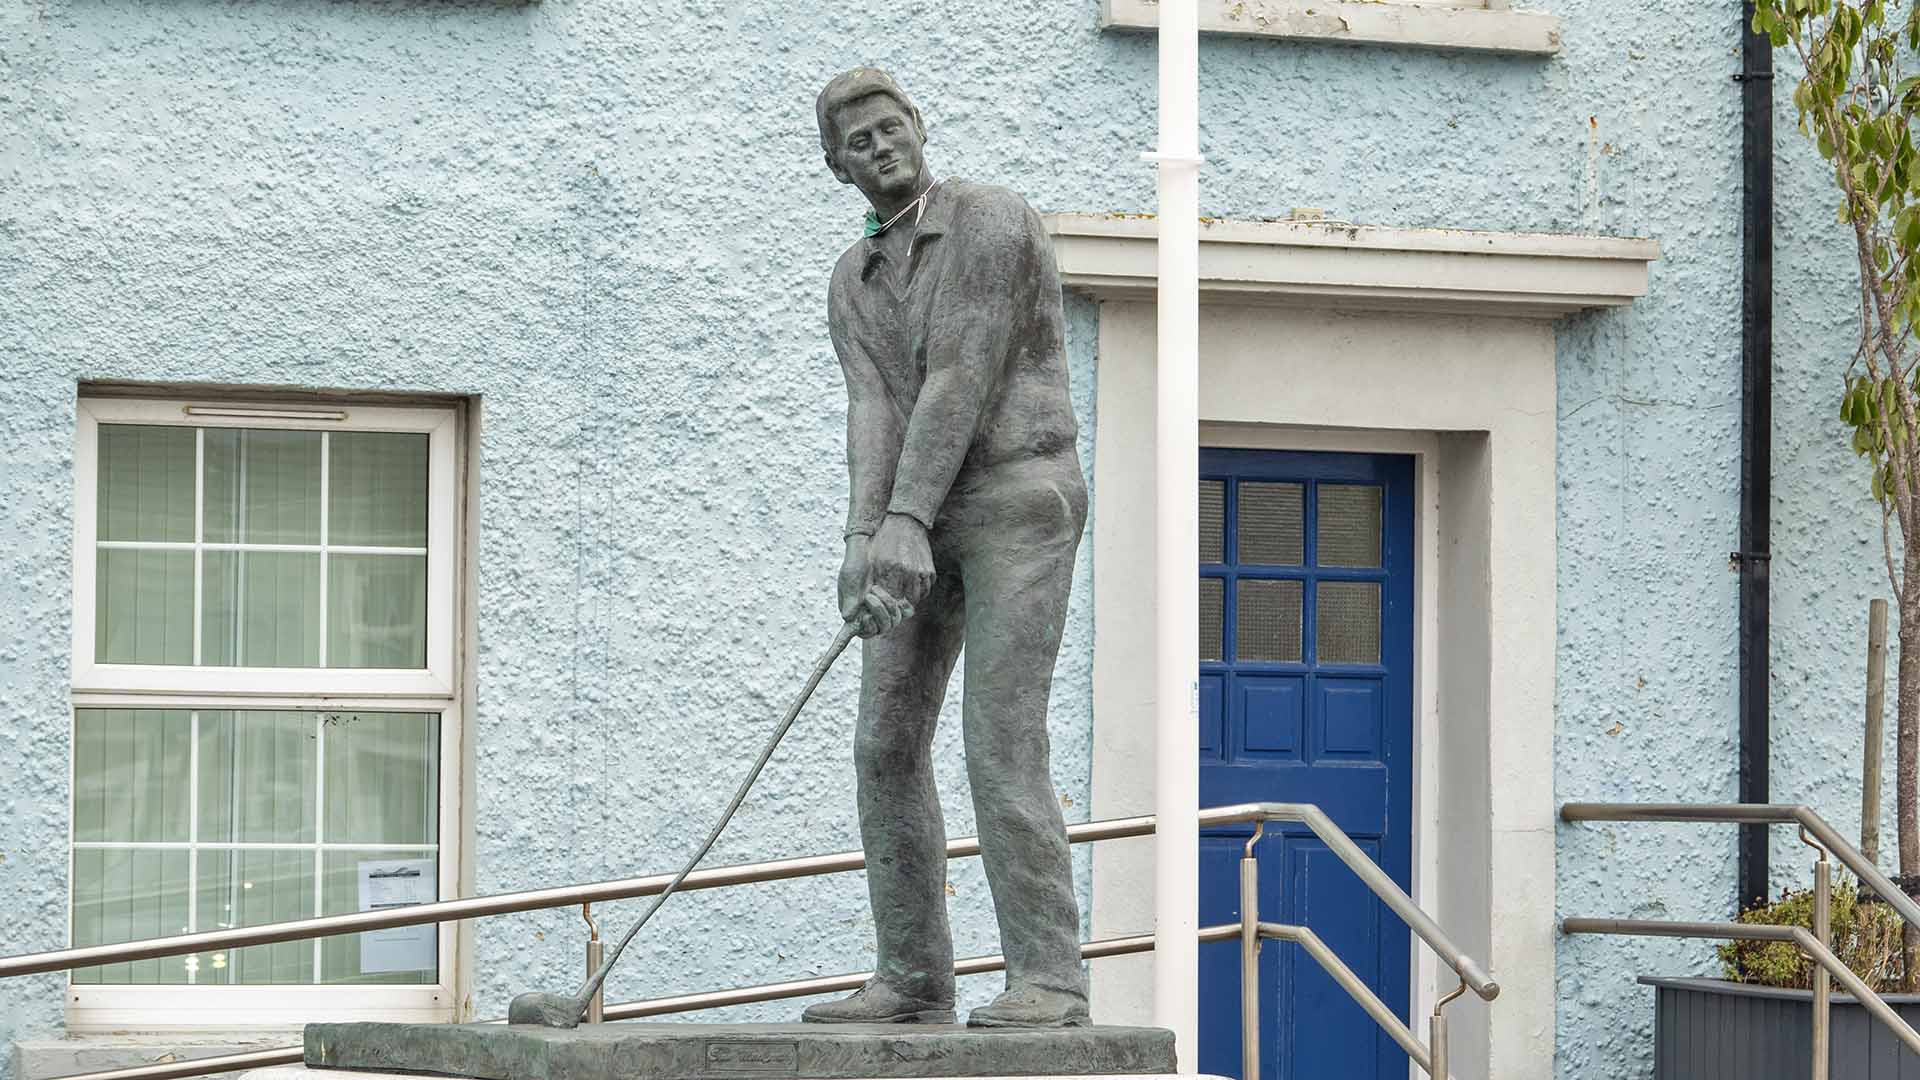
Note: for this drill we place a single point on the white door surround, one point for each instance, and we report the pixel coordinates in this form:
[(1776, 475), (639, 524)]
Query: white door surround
[(1438, 344)]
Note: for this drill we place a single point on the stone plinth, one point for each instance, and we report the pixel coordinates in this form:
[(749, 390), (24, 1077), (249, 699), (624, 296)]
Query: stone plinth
[(667, 1051)]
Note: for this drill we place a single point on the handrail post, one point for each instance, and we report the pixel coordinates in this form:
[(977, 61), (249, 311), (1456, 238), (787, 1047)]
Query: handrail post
[(1822, 981), (1437, 1034), (1250, 959), (596, 955)]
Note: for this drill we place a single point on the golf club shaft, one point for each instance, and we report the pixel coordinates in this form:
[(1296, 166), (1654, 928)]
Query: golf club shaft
[(820, 668)]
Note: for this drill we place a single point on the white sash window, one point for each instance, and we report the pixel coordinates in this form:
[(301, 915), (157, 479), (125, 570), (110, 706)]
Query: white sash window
[(266, 716)]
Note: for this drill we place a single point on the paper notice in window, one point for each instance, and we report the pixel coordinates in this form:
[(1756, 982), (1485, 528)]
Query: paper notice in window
[(395, 883)]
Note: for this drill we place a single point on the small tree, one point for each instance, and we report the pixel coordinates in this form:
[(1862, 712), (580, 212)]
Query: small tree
[(1858, 108)]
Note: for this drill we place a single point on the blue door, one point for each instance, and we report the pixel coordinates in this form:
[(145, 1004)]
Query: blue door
[(1306, 695)]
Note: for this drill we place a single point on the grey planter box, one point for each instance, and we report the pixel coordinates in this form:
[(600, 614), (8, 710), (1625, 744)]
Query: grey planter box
[(1709, 1029)]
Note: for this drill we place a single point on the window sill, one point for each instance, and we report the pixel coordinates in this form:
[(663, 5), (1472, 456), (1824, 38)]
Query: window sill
[(1359, 22)]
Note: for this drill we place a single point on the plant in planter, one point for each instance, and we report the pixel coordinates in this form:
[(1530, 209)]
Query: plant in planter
[(1757, 1022), (1866, 937)]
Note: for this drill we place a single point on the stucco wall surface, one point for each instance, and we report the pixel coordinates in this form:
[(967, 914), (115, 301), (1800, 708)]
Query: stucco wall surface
[(610, 221), (1649, 457)]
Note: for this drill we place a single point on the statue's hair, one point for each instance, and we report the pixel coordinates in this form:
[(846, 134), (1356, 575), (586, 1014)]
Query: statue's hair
[(850, 86)]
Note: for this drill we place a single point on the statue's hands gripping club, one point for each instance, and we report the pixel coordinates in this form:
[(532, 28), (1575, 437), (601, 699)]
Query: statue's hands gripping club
[(882, 577)]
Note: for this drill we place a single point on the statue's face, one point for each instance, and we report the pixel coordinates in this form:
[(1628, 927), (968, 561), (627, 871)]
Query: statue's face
[(879, 148)]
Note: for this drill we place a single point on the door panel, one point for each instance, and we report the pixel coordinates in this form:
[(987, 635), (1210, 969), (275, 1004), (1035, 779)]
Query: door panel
[(1306, 696)]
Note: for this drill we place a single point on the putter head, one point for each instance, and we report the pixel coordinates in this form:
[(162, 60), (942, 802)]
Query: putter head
[(546, 1010)]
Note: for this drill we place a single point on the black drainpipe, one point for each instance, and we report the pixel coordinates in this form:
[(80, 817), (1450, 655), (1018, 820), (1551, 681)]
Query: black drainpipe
[(1756, 438)]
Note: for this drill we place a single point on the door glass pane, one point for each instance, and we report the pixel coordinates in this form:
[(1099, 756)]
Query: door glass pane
[(143, 607), (1271, 524), (383, 776), (1213, 521), (378, 495), (145, 486), (1213, 594), (1267, 620), (1348, 533), (377, 611), (261, 609), (1347, 622), (375, 880), (262, 487), (257, 777), (279, 802)]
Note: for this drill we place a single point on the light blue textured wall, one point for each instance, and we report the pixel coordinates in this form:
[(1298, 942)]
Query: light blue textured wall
[(611, 222)]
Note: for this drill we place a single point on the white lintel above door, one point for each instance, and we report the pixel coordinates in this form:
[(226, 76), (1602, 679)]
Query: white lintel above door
[(1363, 267)]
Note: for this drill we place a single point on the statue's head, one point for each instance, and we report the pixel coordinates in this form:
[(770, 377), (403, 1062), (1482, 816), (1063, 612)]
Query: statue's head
[(871, 133)]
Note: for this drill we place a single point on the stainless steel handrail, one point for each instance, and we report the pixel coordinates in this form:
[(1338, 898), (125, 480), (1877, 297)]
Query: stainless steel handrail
[(1808, 944), (633, 1010), (1356, 988), (1817, 833), (1370, 874), (475, 907), (1757, 814), (1373, 877), (1431, 1058), (1306, 814)]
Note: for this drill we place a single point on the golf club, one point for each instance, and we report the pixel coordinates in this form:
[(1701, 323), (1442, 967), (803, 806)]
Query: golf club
[(565, 1010)]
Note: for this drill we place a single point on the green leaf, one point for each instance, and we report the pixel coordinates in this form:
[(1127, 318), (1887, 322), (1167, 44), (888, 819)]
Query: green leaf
[(1879, 489)]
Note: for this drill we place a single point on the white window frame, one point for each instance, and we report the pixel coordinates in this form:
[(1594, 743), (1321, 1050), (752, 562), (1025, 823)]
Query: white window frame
[(438, 424), (435, 689)]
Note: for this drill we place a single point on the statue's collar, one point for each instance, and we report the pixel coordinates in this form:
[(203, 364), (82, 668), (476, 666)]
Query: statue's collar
[(934, 221)]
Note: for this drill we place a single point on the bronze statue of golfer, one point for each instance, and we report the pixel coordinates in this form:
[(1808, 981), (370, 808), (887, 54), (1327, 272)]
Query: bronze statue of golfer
[(965, 512)]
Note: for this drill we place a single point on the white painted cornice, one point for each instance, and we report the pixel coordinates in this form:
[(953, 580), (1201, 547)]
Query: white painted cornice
[(1456, 26), (1524, 275)]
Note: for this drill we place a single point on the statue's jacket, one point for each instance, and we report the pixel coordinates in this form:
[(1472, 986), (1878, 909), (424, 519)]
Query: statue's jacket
[(956, 370)]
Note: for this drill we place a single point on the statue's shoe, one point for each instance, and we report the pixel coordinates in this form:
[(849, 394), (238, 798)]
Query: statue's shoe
[(878, 1003), (1032, 1008)]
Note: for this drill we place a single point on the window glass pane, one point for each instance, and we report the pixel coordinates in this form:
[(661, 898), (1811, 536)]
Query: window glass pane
[(130, 775), (143, 607), (1213, 592), (261, 609), (405, 956), (383, 775), (1348, 530), (257, 777), (224, 602), (247, 888), (1347, 622), (145, 486), (262, 487), (1267, 620), (377, 611), (1213, 521), (378, 494), (1271, 524), (122, 894), (259, 847)]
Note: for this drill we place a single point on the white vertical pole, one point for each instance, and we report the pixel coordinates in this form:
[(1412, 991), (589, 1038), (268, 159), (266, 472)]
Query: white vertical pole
[(1177, 537)]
